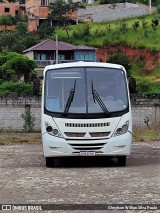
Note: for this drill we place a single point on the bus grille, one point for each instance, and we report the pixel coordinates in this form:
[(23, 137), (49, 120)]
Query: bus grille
[(82, 134), (86, 124), (95, 146)]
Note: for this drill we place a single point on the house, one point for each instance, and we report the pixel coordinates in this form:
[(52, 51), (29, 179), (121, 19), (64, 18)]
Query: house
[(13, 9), (49, 52), (37, 12)]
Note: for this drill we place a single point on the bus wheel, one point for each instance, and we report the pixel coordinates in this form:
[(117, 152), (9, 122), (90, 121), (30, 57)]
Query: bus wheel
[(49, 161), (121, 161)]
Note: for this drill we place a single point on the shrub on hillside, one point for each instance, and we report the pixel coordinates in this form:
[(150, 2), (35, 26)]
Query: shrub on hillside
[(147, 86), (82, 32), (119, 58)]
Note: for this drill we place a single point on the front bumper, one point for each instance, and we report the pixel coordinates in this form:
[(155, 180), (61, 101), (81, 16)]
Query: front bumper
[(59, 147)]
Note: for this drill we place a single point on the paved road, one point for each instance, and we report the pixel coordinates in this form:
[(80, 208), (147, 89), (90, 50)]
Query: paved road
[(24, 179)]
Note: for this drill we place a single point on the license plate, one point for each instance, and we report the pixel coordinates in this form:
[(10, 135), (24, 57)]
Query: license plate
[(87, 153)]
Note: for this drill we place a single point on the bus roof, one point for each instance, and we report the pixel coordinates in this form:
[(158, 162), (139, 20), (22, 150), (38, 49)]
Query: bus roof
[(84, 64)]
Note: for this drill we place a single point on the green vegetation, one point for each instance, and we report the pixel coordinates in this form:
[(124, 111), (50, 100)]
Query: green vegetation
[(146, 85), (145, 134), (139, 135), (154, 2), (140, 32), (15, 89), (16, 137), (29, 120), (59, 11), (147, 80), (119, 58), (6, 20), (15, 40), (14, 66), (16, 74)]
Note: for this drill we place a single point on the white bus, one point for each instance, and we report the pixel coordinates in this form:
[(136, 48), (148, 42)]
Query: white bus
[(86, 111)]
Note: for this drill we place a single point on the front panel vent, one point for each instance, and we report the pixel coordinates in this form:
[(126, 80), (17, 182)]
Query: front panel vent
[(75, 134), (85, 146), (86, 124)]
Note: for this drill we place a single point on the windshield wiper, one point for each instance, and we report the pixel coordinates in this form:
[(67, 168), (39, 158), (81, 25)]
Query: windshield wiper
[(70, 99), (97, 98)]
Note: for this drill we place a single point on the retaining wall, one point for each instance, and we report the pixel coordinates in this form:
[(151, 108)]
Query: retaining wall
[(11, 110)]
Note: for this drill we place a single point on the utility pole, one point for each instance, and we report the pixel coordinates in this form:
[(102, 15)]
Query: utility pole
[(150, 6), (56, 49)]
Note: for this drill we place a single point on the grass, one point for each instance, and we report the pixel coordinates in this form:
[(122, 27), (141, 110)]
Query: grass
[(146, 134), (139, 134), (122, 32), (19, 138), (116, 32)]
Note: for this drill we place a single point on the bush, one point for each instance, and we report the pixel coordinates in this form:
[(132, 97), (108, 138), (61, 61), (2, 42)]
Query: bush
[(147, 86), (158, 8), (82, 32), (119, 58), (15, 89), (29, 120)]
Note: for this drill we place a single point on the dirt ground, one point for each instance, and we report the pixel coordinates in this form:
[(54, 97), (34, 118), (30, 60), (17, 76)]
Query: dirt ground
[(24, 178)]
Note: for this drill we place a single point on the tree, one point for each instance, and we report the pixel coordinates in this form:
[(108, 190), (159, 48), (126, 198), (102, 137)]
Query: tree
[(119, 58), (21, 27), (6, 20), (158, 8), (14, 66), (15, 40), (45, 29), (28, 41), (59, 13), (8, 40)]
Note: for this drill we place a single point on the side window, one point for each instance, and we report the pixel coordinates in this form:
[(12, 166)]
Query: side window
[(80, 56), (40, 57)]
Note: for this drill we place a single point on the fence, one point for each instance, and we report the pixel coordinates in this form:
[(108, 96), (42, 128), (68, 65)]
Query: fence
[(12, 108)]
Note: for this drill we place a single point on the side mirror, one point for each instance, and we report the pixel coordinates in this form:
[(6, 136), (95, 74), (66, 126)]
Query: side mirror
[(36, 87), (132, 84)]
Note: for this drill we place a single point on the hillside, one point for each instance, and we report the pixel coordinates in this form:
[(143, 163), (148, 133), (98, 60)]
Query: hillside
[(140, 32), (138, 38)]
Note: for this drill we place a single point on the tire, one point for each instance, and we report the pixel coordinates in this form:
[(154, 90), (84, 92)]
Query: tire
[(51, 162), (121, 161)]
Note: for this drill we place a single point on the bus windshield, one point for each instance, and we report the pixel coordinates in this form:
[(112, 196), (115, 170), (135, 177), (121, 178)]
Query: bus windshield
[(85, 90)]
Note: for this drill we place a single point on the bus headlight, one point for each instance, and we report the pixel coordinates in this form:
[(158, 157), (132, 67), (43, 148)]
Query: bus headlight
[(52, 130), (122, 130)]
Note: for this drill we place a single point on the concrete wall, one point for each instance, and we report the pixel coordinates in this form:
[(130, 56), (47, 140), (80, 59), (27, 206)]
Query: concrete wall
[(29, 54), (12, 108), (144, 106), (108, 12)]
